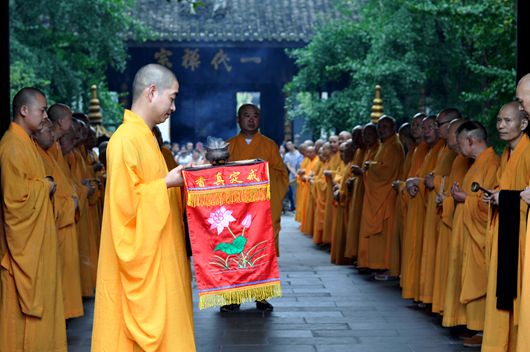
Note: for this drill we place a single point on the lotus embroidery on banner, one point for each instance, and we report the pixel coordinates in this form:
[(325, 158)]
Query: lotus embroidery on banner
[(236, 256)]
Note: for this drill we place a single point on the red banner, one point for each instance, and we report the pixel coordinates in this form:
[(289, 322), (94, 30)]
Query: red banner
[(232, 240)]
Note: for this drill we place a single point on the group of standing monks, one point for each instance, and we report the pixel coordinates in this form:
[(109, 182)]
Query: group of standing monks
[(435, 207), (52, 187)]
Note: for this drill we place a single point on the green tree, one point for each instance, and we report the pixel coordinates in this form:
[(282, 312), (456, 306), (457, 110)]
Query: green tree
[(426, 55), (63, 47)]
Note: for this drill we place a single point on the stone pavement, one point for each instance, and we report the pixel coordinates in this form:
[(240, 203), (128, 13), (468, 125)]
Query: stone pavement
[(324, 308)]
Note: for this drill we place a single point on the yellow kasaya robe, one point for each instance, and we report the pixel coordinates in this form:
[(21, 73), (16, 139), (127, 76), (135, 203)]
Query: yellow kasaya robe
[(85, 239), (446, 246), (68, 251), (523, 337), (305, 192), (475, 223), (31, 302), (94, 202), (143, 297), (338, 241), (335, 166), (306, 227), (500, 328), (355, 195), (444, 161), (301, 191), (399, 215), (375, 234), (266, 149), (320, 186), (412, 242), (417, 158)]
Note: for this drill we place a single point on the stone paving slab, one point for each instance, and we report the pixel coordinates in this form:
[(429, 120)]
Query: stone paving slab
[(324, 308)]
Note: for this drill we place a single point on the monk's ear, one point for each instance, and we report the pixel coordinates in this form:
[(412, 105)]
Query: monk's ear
[(24, 110), (151, 92), (524, 124)]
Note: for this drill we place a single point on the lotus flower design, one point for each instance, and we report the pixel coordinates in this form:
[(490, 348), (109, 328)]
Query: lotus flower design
[(220, 219)]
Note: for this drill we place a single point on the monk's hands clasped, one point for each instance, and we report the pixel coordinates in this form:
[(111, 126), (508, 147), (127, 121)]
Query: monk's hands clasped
[(174, 177), (458, 195)]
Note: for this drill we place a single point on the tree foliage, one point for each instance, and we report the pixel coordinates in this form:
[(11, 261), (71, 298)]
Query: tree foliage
[(63, 47), (426, 55)]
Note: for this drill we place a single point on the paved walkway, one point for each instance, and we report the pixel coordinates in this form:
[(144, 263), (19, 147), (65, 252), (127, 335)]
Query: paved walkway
[(324, 308)]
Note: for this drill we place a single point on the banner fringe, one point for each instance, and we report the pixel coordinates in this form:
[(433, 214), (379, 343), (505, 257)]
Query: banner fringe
[(254, 293), (222, 196)]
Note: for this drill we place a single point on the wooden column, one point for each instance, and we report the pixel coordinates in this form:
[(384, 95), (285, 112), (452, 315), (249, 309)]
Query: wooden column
[(523, 38)]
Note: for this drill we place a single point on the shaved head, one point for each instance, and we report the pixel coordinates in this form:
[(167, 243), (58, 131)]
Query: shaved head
[(152, 74), (472, 129), (26, 96), (452, 142), (523, 92), (344, 136)]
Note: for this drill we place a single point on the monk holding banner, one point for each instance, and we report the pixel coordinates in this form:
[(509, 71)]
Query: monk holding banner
[(143, 297)]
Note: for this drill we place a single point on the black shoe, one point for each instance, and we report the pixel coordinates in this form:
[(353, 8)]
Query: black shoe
[(230, 308), (264, 306)]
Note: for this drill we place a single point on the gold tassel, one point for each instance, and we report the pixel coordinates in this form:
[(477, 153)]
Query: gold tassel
[(238, 296), (222, 196)]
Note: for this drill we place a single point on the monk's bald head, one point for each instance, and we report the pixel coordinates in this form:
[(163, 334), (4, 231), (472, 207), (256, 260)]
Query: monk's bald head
[(416, 126), (318, 144), (344, 136), (152, 74), (386, 127), (357, 136), (405, 136), (310, 152), (523, 92), (334, 143), (61, 117), (26, 97), (472, 139), (452, 142), (346, 151), (369, 134)]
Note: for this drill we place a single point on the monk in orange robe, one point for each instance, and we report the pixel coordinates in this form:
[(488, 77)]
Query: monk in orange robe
[(501, 323), (306, 227), (332, 175), (446, 240), (301, 192), (340, 194), (523, 338), (375, 234), (350, 250), (64, 201), (143, 298), (409, 144), (319, 183), (475, 222), (303, 187), (413, 239), (31, 304), (86, 265), (435, 184), (251, 144)]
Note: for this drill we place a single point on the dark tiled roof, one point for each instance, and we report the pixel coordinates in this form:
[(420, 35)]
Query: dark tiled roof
[(235, 20)]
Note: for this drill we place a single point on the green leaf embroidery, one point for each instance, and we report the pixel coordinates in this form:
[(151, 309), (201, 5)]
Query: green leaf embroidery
[(235, 247)]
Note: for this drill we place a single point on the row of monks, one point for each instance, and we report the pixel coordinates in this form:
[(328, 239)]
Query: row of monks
[(52, 191), (436, 207)]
